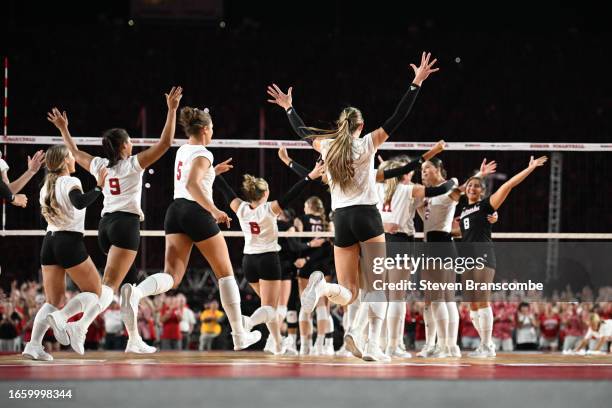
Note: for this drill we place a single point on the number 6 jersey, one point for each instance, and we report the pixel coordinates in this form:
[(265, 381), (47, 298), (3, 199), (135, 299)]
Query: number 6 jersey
[(123, 188), (260, 228)]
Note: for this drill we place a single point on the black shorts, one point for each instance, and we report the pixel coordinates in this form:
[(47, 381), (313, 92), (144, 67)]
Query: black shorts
[(188, 217), (287, 270), (120, 229), (442, 244), (399, 244), (264, 266), (356, 223), (63, 248), (310, 267)]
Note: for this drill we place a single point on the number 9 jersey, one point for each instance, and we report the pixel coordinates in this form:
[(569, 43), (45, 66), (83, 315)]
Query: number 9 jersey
[(123, 188)]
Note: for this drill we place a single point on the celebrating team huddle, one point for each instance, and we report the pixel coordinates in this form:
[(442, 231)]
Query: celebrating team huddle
[(294, 279)]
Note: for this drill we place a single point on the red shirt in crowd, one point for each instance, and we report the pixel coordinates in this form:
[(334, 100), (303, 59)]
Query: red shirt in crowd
[(467, 327), (170, 328), (549, 326), (574, 326)]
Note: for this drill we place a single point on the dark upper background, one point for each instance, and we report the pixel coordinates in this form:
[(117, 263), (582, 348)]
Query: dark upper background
[(527, 72)]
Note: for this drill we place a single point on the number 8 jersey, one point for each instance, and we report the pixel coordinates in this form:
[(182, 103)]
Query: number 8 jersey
[(123, 188), (260, 228)]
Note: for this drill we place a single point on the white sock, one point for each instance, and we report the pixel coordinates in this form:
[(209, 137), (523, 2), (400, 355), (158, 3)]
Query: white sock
[(281, 311), (305, 319), (156, 284), (337, 294), (403, 327), (305, 340), (361, 320), (486, 324), (322, 313), (263, 314), (475, 316), (376, 315), (453, 323), (441, 317), (92, 309), (430, 325), (274, 329), (106, 297), (330, 324), (320, 340), (351, 313), (41, 326), (396, 313), (79, 303), (230, 300)]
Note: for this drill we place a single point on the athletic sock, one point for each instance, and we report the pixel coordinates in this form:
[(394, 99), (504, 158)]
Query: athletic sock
[(430, 325), (486, 324), (453, 323), (41, 326), (376, 316), (106, 297), (441, 318)]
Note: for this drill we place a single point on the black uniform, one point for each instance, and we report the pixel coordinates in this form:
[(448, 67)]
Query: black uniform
[(317, 258), (476, 231), (287, 254)]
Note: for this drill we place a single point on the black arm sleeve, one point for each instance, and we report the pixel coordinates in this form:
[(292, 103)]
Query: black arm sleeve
[(298, 169), (402, 110), (441, 189), (298, 125), (293, 192), (226, 190), (5, 191), (82, 200), (400, 171)]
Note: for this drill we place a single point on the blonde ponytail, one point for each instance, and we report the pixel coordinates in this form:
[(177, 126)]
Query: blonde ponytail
[(55, 161), (339, 157), (253, 187)]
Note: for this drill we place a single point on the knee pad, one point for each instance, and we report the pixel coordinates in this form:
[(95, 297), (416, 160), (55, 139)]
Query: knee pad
[(292, 317), (304, 317)]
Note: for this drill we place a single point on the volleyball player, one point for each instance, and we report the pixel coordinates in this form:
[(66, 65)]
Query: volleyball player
[(351, 174), (476, 231), (440, 314), (599, 333), (63, 252), (192, 219), (261, 263), (34, 164), (119, 228), (396, 208)]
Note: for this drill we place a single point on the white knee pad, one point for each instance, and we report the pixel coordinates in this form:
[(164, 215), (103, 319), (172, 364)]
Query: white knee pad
[(292, 316), (304, 316)]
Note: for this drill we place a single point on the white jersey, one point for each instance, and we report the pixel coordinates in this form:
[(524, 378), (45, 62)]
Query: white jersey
[(72, 219), (260, 228), (363, 191), (437, 213), (185, 156), (400, 210), (123, 188), (605, 330), (3, 166)]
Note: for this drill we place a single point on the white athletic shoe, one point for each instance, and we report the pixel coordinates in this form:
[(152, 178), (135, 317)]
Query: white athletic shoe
[(353, 345), (290, 348), (77, 337), (305, 348), (374, 353), (36, 352), (426, 351), (441, 352), (246, 339), (455, 351), (130, 298), (58, 325), (397, 353), (595, 353), (316, 350), (270, 346), (483, 351), (328, 348), (312, 293), (246, 323), (343, 352), (138, 346)]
